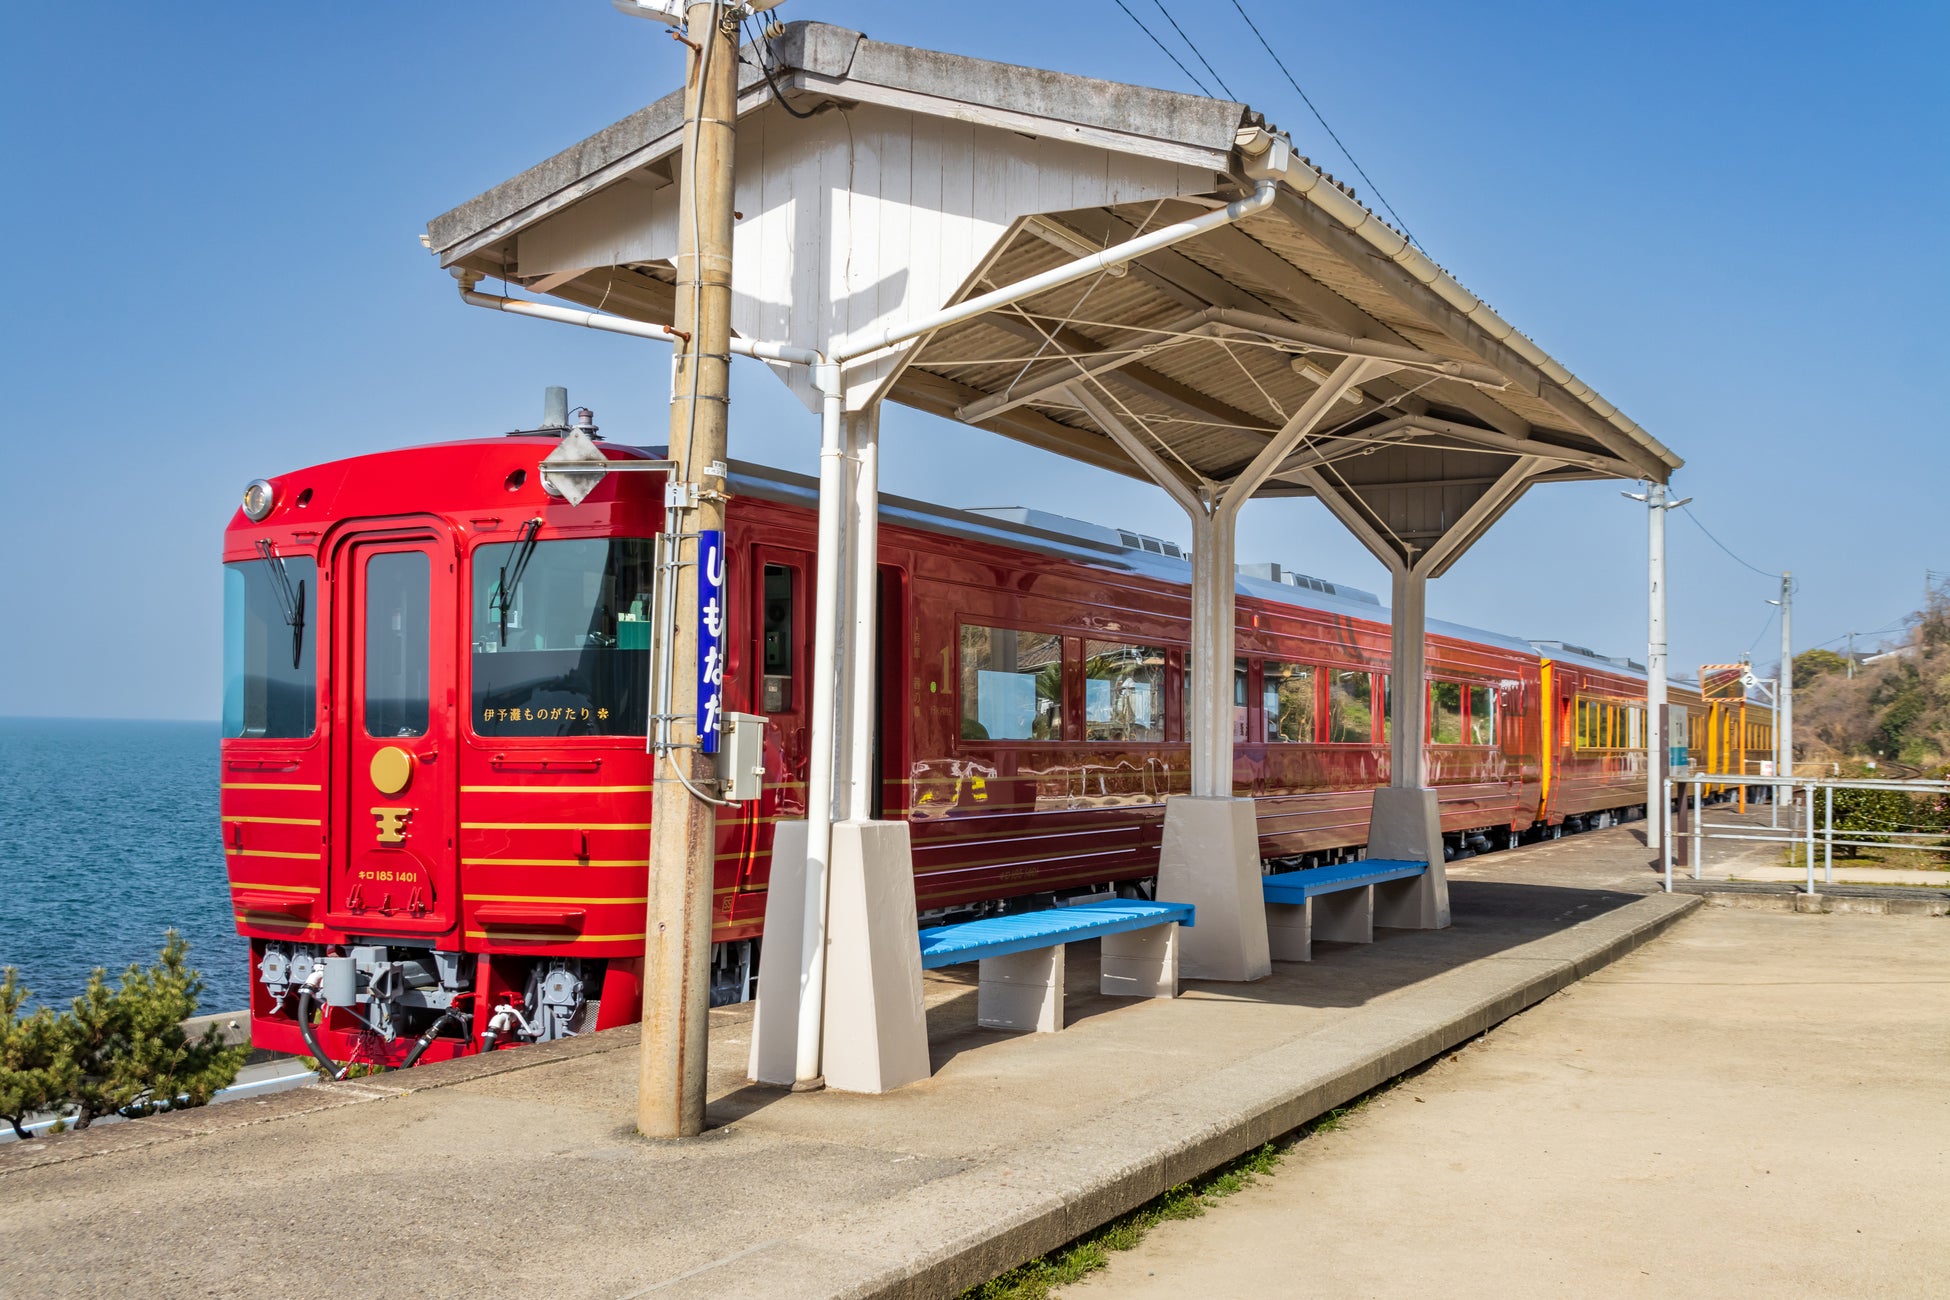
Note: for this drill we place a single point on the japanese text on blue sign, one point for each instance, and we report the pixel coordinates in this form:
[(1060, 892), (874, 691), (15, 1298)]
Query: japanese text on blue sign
[(710, 638)]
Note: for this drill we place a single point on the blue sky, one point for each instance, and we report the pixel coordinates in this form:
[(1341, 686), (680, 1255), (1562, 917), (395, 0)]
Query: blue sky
[(1729, 219)]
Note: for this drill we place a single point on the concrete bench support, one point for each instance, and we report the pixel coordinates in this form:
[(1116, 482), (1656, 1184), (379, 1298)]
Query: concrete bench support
[(1290, 931), (1022, 990), (1345, 916), (1140, 963)]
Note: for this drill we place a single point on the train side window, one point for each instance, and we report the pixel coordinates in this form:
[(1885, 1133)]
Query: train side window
[(398, 604), (1482, 715), (1350, 707), (1241, 693), (1287, 692), (1445, 713), (1012, 684), (1123, 692), (780, 593)]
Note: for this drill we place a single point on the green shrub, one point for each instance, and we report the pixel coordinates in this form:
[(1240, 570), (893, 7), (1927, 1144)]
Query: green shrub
[(127, 1047), (35, 1075)]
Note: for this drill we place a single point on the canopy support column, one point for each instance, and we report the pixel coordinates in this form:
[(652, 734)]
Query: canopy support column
[(1210, 857), (862, 1001)]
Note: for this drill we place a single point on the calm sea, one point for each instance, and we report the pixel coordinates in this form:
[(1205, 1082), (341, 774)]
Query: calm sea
[(108, 838)]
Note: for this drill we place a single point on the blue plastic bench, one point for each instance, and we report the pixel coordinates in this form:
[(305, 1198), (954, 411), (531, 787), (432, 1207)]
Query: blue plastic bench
[(1021, 957), (1334, 903)]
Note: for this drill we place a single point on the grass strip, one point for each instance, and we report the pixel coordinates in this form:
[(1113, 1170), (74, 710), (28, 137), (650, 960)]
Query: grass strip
[(1090, 1252)]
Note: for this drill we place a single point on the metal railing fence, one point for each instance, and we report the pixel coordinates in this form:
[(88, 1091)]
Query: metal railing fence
[(1802, 829)]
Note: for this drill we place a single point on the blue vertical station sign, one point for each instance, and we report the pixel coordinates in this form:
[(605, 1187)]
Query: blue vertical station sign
[(710, 638)]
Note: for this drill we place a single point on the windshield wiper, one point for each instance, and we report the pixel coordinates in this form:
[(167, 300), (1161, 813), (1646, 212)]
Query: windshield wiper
[(291, 600), (504, 591)]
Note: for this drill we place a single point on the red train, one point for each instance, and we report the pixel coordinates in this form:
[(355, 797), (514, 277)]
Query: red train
[(436, 795)]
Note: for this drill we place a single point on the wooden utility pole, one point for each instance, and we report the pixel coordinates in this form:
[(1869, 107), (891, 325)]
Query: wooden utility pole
[(677, 945)]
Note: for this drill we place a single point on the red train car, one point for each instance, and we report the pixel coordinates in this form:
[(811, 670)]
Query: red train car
[(436, 797)]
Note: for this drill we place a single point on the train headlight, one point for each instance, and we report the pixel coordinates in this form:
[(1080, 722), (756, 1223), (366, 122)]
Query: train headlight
[(257, 499)]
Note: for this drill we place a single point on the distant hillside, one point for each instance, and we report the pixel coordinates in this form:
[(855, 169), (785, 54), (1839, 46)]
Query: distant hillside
[(1896, 710)]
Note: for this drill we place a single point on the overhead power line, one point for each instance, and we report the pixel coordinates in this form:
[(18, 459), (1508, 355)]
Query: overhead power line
[(1345, 151), (1189, 76), (1723, 546), (1197, 53)]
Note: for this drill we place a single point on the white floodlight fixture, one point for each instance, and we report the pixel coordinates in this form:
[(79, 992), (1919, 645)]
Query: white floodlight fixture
[(674, 11), (664, 11)]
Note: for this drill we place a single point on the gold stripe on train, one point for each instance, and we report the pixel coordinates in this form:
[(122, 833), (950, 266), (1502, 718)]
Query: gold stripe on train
[(542, 898), (555, 862), (555, 826), (555, 789), (533, 936), (268, 785), (272, 853), (277, 889), (274, 821)]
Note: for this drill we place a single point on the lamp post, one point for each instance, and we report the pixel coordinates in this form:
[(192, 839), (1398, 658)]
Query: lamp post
[(1658, 755)]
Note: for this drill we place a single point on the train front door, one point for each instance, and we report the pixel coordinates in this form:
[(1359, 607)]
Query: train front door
[(392, 869)]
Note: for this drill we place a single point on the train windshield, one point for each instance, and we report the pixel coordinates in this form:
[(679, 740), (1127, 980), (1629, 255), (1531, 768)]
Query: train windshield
[(565, 649), (270, 678)]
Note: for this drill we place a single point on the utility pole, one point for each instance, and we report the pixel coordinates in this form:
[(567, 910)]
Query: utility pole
[(1784, 732), (683, 824), (1657, 752), (1851, 656)]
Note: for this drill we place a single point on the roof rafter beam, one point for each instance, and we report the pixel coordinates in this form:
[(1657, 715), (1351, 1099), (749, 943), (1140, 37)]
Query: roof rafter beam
[(1100, 359), (1192, 284), (1160, 388), (1403, 429), (1357, 253)]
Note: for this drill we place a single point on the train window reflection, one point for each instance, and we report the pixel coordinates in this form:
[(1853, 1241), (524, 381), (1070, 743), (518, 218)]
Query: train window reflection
[(1011, 684), (1123, 692), (1482, 716), (268, 691), (1350, 707), (778, 638), (1445, 713), (576, 656), (1287, 692), (396, 663)]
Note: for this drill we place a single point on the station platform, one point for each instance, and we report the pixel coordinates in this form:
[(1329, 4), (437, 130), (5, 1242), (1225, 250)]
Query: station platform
[(520, 1173)]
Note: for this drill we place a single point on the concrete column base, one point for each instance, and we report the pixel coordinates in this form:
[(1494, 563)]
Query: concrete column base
[(1407, 825), (1210, 859), (876, 1037), (1023, 990), (775, 1018), (1140, 963)]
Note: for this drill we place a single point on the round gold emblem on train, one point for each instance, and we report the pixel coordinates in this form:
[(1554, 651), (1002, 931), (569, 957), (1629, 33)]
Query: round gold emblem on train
[(392, 769)]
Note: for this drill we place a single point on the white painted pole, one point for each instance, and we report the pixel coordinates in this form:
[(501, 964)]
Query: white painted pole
[(822, 768), (1809, 837), (1212, 652), (1655, 661), (1828, 840), (1408, 664), (1784, 731), (864, 537)]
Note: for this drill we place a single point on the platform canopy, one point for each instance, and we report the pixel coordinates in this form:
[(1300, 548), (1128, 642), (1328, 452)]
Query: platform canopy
[(922, 179)]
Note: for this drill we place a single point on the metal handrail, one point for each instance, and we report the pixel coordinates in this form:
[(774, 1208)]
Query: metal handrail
[(1804, 836)]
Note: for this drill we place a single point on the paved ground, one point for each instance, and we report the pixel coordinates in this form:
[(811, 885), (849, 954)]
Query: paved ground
[(1750, 1105), (519, 1174)]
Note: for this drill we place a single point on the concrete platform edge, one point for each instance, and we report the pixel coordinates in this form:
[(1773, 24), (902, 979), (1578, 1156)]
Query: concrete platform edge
[(984, 1222)]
